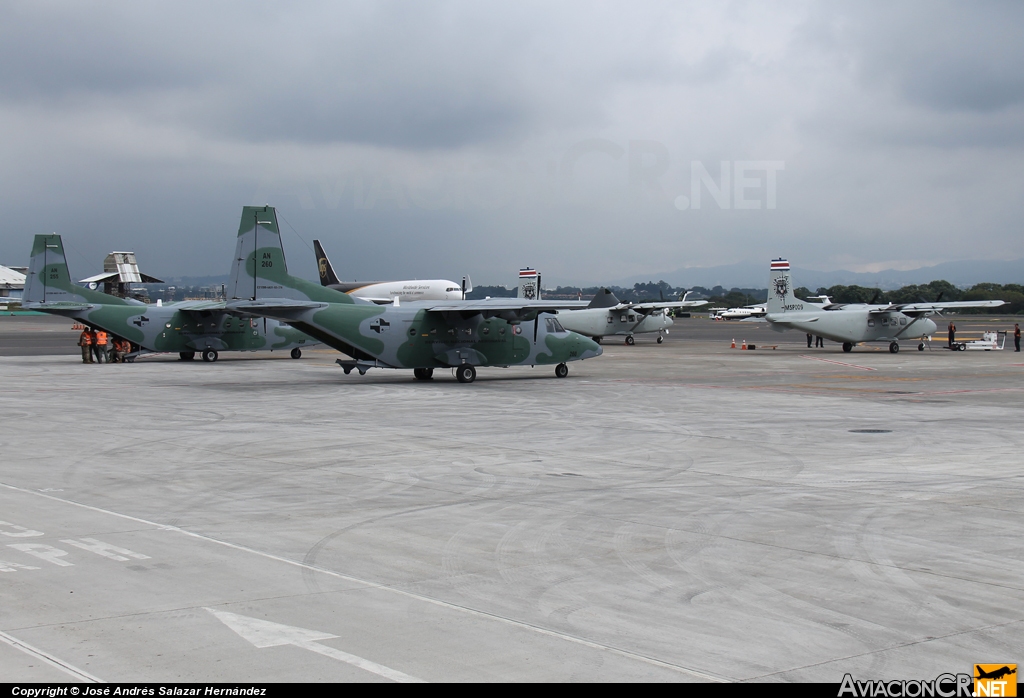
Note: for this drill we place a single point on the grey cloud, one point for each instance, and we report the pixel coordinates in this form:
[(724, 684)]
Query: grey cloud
[(946, 56)]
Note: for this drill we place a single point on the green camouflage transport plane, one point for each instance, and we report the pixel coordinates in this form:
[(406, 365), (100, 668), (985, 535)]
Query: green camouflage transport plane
[(421, 335), (186, 327)]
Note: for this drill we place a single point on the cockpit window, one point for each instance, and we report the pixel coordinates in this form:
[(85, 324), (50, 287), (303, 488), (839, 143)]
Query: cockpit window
[(554, 325)]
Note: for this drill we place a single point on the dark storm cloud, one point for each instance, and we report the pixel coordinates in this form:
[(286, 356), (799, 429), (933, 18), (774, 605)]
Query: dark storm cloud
[(437, 134), (399, 74)]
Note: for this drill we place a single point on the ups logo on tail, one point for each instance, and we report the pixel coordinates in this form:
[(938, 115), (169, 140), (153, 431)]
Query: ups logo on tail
[(995, 680)]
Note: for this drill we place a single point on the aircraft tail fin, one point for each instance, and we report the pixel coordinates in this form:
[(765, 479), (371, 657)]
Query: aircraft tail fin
[(259, 269), (604, 299), (780, 289), (49, 281), (323, 266), (529, 284)]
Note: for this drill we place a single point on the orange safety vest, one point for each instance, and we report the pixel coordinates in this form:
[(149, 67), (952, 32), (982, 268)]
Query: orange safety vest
[(101, 338), (85, 339)]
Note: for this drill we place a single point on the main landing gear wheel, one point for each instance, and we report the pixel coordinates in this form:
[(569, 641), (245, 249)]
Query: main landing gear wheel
[(296, 353), (629, 340), (346, 369), (920, 347), (598, 339), (660, 339), (209, 356), (465, 373), (847, 347), (561, 370), (423, 374), (894, 348), (186, 355)]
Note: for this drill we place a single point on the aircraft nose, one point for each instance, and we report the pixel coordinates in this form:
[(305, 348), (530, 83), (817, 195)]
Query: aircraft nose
[(589, 348)]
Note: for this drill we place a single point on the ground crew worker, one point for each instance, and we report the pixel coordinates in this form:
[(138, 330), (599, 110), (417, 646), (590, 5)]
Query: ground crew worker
[(85, 341), (100, 347), (952, 334), (819, 342), (122, 347), (1016, 336), (808, 340)]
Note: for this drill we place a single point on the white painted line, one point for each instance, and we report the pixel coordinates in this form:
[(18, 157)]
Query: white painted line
[(49, 659), (838, 363), (263, 633), (696, 673)]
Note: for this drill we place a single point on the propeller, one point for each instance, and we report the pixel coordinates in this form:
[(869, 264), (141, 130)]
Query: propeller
[(874, 299)]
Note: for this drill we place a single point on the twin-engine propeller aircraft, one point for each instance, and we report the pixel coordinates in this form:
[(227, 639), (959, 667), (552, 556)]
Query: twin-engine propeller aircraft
[(607, 315), (853, 323), (186, 327), (389, 291), (421, 335)]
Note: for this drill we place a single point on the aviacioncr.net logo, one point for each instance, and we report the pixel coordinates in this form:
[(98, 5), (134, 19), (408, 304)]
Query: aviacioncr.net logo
[(942, 686)]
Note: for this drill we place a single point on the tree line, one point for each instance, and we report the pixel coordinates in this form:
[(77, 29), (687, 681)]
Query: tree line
[(720, 297)]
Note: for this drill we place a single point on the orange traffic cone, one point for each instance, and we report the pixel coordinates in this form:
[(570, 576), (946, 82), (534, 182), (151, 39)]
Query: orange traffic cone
[(733, 344), (744, 344)]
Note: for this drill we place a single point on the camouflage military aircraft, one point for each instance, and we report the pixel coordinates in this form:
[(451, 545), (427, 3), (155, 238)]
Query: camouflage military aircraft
[(186, 327), (853, 323), (421, 335)]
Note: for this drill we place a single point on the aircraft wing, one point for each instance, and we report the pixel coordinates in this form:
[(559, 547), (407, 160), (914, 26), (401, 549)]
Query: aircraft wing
[(503, 304), (199, 306), (58, 307), (667, 304), (931, 308), (271, 305)]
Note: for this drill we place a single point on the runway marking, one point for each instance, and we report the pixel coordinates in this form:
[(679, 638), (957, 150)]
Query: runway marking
[(696, 673), (264, 633), (48, 658), (839, 363)]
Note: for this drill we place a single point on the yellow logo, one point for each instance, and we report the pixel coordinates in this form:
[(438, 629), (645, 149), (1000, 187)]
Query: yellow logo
[(995, 680), (323, 266)]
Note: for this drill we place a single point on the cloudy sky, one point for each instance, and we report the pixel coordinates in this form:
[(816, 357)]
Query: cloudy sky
[(595, 141)]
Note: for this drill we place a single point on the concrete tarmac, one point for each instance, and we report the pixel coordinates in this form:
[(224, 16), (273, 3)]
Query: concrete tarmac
[(682, 512)]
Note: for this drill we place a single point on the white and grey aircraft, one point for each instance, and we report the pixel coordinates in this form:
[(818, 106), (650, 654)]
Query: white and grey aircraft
[(853, 323), (747, 311), (607, 315)]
